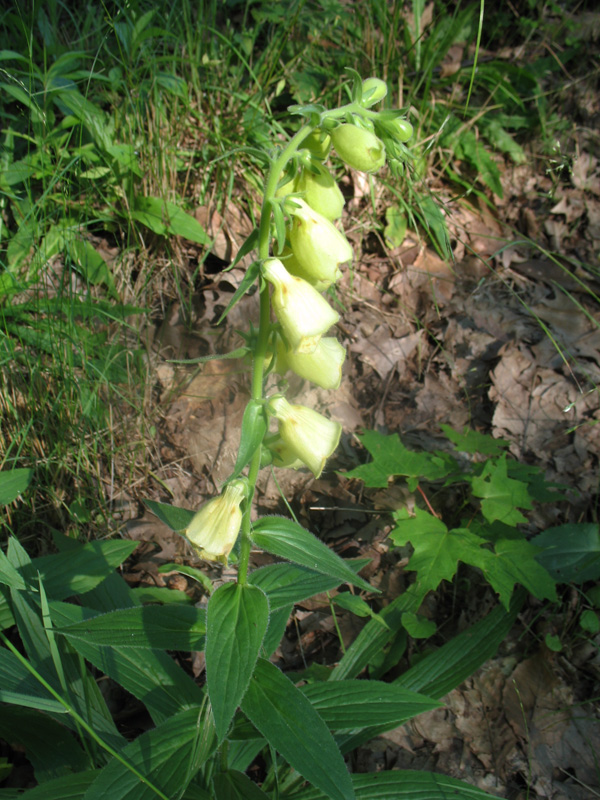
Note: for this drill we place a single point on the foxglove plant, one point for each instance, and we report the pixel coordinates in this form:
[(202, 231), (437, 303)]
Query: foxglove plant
[(301, 254)]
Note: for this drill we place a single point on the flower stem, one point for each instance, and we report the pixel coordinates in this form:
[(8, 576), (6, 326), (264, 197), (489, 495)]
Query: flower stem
[(264, 327)]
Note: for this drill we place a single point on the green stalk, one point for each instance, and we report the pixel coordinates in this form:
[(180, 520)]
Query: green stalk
[(262, 341)]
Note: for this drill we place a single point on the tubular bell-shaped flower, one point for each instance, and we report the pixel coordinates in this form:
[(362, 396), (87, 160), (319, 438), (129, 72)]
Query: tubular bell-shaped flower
[(303, 313), (317, 244), (323, 367), (307, 435), (359, 148), (215, 527)]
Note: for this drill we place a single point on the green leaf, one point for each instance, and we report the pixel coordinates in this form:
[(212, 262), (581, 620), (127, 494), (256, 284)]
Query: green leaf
[(514, 561), (168, 757), (588, 621), (395, 228), (291, 725), (470, 441), (417, 626), (286, 584), (246, 283), (354, 604), (254, 427), (164, 218), (391, 457), (9, 574), (346, 705), (570, 552), (278, 621), (20, 687), (249, 244), (91, 264), (156, 680), (501, 496), (234, 785), (501, 139), (437, 550), (178, 519), (50, 748), (403, 785), (67, 787), (291, 541), (162, 627), (236, 624), (374, 637), (13, 482), (435, 222)]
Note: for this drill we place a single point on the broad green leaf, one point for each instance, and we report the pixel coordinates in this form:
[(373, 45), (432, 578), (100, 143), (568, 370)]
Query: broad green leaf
[(356, 605), (254, 427), (236, 623), (501, 496), (403, 785), (13, 482), (291, 725), (50, 748), (346, 705), (67, 787), (285, 584), (501, 139), (391, 458), (161, 627), (437, 550), (168, 757), (156, 680), (164, 218), (286, 539), (571, 552), (161, 594), (514, 561), (178, 519), (234, 785), (470, 441)]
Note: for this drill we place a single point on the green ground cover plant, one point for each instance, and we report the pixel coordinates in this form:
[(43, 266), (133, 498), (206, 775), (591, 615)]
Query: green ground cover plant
[(98, 143)]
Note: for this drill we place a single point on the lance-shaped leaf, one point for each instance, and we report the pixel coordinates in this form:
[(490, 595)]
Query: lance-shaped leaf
[(254, 427), (291, 725), (291, 541), (237, 620)]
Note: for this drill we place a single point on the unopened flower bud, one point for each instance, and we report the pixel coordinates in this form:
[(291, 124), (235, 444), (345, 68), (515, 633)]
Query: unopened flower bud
[(373, 90), (323, 367), (359, 148), (321, 192), (318, 245), (310, 436), (303, 313), (214, 529)]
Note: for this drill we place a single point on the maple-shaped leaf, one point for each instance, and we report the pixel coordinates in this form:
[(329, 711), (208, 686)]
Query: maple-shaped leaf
[(437, 550), (514, 562), (501, 496), (470, 441), (391, 458)]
